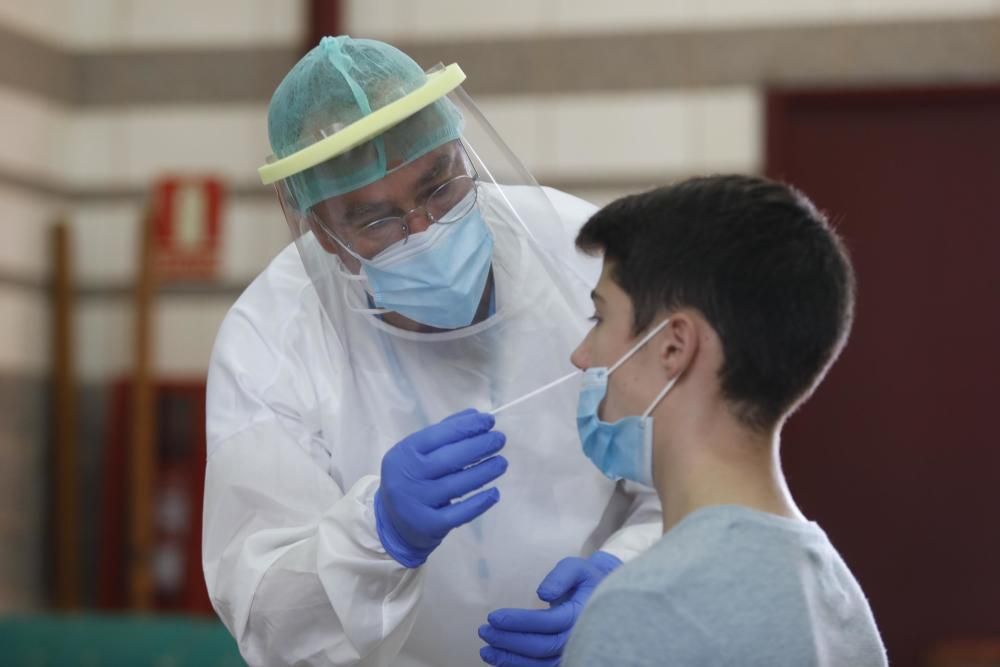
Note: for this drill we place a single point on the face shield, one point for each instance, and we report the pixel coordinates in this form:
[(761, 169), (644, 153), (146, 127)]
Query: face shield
[(414, 213)]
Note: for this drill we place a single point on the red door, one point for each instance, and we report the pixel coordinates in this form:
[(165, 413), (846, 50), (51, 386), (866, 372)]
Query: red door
[(898, 454), (179, 484)]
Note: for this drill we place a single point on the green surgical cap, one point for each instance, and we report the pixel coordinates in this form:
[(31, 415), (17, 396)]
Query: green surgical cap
[(337, 83)]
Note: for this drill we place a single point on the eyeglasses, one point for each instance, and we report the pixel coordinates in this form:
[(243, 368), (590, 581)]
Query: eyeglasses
[(449, 202)]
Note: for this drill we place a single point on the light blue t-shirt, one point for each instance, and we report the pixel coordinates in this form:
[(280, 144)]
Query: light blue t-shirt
[(729, 585)]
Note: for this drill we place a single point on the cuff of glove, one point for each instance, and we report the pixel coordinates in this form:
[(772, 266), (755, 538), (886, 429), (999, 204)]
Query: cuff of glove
[(604, 561), (391, 541)]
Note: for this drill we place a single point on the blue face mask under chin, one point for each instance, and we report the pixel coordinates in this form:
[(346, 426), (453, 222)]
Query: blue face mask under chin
[(623, 449), (436, 277)]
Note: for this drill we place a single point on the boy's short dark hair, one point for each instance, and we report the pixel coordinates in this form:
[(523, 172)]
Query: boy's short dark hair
[(756, 259)]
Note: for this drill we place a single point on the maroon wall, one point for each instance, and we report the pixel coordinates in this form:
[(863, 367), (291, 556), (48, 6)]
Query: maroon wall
[(325, 18), (897, 455)]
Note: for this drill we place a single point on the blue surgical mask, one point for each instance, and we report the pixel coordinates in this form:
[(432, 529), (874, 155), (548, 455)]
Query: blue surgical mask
[(623, 449), (436, 277)]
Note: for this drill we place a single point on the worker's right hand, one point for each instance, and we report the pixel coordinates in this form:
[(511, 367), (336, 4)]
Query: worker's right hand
[(425, 472)]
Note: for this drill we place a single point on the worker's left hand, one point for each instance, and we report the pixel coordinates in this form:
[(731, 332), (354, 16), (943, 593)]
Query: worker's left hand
[(536, 637)]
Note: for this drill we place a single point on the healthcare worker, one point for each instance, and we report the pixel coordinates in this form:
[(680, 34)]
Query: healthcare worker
[(376, 485)]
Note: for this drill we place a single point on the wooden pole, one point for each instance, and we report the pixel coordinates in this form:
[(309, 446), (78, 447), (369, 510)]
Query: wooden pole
[(66, 464), (143, 453)]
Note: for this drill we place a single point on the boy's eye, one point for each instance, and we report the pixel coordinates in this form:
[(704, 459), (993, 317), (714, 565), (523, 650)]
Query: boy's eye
[(595, 318)]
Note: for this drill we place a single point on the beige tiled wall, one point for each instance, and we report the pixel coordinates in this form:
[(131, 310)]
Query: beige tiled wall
[(83, 157), (24, 335), (90, 165), (24, 219), (31, 134), (433, 20), (106, 237), (141, 24), (184, 329)]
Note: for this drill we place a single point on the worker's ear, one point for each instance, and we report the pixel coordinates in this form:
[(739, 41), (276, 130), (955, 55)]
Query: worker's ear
[(326, 241), (302, 220), (332, 246), (351, 262)]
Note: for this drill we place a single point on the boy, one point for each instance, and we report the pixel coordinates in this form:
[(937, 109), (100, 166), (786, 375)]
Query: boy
[(722, 303)]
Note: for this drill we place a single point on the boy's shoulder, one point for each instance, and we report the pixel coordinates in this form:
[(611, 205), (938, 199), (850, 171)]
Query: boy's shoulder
[(720, 546), (721, 581)]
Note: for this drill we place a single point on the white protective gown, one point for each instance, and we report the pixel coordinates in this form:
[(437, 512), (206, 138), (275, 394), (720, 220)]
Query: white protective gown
[(301, 411)]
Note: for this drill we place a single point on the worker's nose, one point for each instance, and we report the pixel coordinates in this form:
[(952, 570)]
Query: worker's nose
[(418, 221)]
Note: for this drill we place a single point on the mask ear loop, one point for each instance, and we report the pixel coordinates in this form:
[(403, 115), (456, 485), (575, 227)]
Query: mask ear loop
[(349, 277), (361, 309), (317, 223), (637, 346), (656, 401), (554, 383)]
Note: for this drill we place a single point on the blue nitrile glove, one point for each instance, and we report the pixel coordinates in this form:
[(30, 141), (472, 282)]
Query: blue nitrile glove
[(425, 472), (536, 637)]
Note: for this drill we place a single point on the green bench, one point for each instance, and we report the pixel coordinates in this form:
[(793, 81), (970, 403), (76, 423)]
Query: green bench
[(85, 640)]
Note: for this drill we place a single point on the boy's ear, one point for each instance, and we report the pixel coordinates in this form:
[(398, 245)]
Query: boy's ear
[(677, 343)]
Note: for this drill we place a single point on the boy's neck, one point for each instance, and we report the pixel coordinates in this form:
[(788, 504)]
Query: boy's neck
[(718, 461)]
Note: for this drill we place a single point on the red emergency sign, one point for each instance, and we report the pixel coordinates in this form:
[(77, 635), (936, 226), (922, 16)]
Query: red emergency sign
[(187, 228)]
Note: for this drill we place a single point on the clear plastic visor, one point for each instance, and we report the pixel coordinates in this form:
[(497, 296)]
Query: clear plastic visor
[(440, 187)]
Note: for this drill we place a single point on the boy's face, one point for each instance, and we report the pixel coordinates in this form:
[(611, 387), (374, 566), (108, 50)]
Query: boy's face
[(630, 388)]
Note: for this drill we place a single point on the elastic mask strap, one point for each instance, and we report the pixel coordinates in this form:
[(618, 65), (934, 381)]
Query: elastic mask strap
[(347, 275), (536, 392), (333, 237), (554, 383), (645, 339), (347, 297), (670, 385)]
